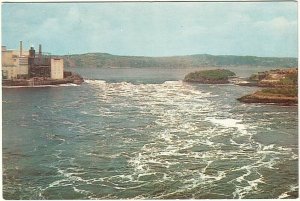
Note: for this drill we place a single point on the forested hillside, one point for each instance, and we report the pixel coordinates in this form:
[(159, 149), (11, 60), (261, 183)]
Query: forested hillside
[(107, 60)]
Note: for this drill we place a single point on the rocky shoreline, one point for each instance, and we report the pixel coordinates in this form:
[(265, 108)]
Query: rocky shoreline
[(280, 100), (69, 77), (280, 87)]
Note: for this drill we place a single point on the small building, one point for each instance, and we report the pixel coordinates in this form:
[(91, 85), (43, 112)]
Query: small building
[(57, 68)]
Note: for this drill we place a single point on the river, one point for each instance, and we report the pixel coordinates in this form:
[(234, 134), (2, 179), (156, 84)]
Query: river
[(145, 134)]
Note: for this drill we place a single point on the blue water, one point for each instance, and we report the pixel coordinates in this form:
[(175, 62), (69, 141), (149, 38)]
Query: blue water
[(146, 134)]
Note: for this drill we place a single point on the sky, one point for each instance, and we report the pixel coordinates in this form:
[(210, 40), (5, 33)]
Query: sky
[(267, 29)]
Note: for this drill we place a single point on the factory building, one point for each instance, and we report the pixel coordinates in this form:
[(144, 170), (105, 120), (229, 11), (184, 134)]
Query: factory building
[(14, 63), (27, 64), (9, 63), (39, 65), (23, 67)]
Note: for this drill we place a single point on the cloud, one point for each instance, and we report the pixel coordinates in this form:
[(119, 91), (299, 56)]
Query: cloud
[(156, 29), (278, 24)]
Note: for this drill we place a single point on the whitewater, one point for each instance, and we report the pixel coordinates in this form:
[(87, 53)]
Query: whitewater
[(167, 140)]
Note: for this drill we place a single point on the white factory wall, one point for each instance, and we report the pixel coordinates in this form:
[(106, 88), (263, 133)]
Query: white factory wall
[(57, 68)]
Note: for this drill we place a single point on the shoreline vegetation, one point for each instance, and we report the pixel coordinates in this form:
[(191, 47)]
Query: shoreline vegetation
[(105, 60), (280, 86), (218, 76)]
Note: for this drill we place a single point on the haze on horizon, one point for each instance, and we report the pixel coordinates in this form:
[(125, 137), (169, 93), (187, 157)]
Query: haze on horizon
[(267, 29)]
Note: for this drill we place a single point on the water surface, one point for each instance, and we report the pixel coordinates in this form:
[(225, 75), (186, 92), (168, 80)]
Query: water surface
[(145, 134)]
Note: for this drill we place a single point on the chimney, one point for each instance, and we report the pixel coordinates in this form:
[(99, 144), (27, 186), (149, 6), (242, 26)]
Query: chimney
[(21, 48), (31, 52), (40, 49)]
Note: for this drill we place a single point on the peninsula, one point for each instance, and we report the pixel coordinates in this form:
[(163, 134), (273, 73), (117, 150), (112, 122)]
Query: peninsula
[(280, 86), (28, 68)]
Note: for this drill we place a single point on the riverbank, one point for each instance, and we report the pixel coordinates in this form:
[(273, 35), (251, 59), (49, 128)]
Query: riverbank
[(69, 78), (280, 86), (259, 97)]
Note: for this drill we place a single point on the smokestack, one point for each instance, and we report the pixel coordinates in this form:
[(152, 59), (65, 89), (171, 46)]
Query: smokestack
[(31, 52), (21, 48), (40, 49)]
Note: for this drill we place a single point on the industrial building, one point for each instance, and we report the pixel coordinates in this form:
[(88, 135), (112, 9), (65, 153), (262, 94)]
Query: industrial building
[(27, 64), (14, 63), (57, 70)]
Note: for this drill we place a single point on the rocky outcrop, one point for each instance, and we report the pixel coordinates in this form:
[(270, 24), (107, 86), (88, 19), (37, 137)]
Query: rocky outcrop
[(280, 87), (208, 81), (73, 77), (218, 76), (276, 78), (281, 100)]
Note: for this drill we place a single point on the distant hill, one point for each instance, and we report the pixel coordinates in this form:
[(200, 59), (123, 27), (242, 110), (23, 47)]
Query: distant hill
[(200, 60)]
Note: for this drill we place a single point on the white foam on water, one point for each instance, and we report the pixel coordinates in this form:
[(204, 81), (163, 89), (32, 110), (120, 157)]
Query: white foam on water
[(269, 147), (241, 191), (233, 123), (83, 112), (59, 183), (180, 112), (95, 81), (57, 155), (242, 178), (166, 136), (292, 188), (138, 164), (81, 191), (71, 176), (69, 85), (172, 82), (209, 143)]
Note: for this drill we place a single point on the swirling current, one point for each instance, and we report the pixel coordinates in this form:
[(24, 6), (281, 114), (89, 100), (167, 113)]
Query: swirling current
[(168, 140)]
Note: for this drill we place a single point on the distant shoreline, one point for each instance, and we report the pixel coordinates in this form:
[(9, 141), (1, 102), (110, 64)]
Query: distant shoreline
[(102, 60)]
